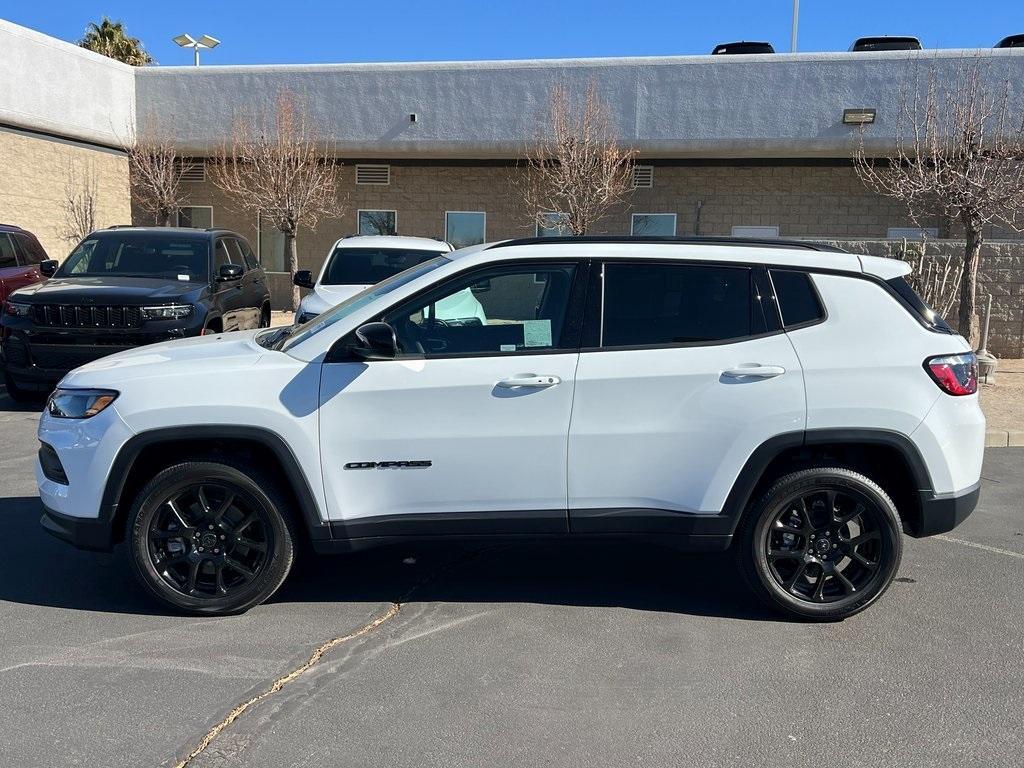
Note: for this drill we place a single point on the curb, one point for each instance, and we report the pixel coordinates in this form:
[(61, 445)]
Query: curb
[(1004, 438)]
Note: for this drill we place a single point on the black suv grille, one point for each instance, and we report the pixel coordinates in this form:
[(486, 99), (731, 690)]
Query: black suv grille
[(74, 316)]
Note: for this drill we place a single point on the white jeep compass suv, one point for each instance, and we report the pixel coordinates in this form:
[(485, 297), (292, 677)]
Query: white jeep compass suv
[(795, 404)]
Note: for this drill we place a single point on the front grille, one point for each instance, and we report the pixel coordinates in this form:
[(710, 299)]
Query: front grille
[(64, 357), (76, 316)]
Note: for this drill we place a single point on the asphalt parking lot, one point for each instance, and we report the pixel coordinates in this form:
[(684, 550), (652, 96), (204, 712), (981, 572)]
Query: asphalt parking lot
[(516, 655)]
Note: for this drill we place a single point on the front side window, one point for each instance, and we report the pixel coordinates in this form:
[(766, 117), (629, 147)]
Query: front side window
[(666, 304), (465, 228), (366, 266), (140, 254), (553, 224), (31, 251), (360, 300), (378, 222), (654, 224), (196, 216), (493, 312), (221, 255)]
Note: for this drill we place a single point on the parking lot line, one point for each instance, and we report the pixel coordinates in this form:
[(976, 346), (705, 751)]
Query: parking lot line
[(985, 547)]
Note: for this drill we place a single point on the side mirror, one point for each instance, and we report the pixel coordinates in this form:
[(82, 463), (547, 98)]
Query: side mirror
[(304, 279), (48, 267), (376, 342), (229, 272)]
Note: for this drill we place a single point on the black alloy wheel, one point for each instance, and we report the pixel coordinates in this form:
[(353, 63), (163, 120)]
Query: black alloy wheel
[(206, 538), (823, 543)]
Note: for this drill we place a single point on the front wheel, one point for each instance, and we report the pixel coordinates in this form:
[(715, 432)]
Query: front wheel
[(20, 395), (207, 538), (822, 543)]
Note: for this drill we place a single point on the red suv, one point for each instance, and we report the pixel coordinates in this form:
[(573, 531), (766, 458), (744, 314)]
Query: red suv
[(23, 261)]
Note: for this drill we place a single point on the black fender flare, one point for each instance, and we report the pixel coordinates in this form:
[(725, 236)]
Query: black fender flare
[(126, 457)]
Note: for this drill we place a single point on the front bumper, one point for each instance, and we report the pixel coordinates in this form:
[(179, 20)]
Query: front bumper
[(942, 512), (85, 533)]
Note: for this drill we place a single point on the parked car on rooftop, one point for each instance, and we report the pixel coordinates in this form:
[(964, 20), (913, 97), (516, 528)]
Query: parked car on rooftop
[(1012, 41), (886, 43), (742, 46)]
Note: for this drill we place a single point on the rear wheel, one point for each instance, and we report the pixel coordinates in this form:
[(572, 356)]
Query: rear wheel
[(208, 538), (822, 543)]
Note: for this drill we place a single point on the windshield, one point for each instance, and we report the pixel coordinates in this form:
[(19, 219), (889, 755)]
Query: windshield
[(139, 254), (366, 266), (341, 311)]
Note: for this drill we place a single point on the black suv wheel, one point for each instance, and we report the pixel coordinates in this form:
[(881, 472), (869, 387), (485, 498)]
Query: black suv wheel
[(208, 538), (822, 543)]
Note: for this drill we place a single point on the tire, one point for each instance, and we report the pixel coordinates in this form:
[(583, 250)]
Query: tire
[(802, 560), (20, 395), (264, 317), (190, 508)]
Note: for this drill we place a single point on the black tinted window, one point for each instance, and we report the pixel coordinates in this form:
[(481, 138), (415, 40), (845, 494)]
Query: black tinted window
[(7, 258), (31, 251), (367, 266), (676, 304), (221, 255), (919, 306), (797, 300)]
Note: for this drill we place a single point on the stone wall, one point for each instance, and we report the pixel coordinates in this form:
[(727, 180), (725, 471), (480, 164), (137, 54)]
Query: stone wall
[(34, 171), (1000, 274)]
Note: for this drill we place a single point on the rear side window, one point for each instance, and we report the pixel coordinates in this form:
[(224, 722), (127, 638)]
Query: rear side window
[(661, 304), (798, 301), (917, 306)]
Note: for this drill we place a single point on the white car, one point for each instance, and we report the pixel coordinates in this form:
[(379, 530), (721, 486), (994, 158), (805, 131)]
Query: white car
[(796, 404), (359, 261)]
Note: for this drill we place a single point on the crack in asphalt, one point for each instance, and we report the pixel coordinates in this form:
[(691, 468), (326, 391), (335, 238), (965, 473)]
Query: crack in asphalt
[(281, 682), (319, 653)]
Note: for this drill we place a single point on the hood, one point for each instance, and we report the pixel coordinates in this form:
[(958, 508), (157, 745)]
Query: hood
[(324, 297), (198, 358), (107, 290)]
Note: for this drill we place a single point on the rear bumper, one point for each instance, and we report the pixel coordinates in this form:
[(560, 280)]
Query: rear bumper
[(942, 512), (85, 533)]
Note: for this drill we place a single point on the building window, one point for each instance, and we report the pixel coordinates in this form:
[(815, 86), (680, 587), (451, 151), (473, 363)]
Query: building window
[(755, 231), (196, 216), (654, 224), (463, 228), (378, 175), (911, 233), (378, 222), (270, 246), (554, 225), (643, 176)]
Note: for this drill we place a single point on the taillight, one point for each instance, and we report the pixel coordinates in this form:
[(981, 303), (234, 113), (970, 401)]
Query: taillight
[(955, 374)]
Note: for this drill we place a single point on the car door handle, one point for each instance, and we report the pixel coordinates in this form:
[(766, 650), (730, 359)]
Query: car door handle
[(529, 380), (754, 371)]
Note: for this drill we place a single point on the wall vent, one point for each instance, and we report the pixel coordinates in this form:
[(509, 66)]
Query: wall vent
[(191, 171), (373, 174), (643, 176)]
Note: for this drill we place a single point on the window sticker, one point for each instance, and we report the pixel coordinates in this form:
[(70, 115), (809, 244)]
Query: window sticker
[(508, 348), (184, 278), (537, 333)]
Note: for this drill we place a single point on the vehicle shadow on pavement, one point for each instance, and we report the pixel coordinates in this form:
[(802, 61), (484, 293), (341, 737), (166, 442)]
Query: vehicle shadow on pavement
[(40, 570)]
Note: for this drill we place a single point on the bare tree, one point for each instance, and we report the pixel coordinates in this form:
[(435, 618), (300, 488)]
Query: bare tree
[(280, 168), (154, 172), (935, 278), (79, 203), (576, 167), (959, 151)]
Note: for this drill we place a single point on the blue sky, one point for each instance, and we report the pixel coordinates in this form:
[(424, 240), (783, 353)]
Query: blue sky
[(300, 31)]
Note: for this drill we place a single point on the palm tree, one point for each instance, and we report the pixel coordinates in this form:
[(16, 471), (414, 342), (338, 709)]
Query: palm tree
[(109, 38)]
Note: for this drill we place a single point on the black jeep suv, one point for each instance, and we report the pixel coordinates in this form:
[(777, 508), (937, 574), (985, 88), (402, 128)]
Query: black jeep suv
[(127, 286)]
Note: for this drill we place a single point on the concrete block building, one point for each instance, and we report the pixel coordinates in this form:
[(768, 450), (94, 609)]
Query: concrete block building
[(742, 145)]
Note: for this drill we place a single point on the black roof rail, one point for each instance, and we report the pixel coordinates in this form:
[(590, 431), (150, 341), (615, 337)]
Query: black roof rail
[(751, 242)]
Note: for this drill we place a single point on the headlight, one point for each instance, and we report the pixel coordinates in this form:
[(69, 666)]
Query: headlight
[(17, 310), (79, 403), (167, 312)]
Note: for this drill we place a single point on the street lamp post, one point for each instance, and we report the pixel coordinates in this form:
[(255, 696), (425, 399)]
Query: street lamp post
[(187, 41), (796, 18)]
